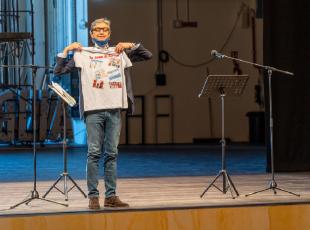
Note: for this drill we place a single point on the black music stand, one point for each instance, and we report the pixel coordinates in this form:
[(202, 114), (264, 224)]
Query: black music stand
[(223, 85), (65, 99), (34, 194)]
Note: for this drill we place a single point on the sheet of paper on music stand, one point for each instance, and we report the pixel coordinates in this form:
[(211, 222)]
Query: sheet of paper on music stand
[(62, 94)]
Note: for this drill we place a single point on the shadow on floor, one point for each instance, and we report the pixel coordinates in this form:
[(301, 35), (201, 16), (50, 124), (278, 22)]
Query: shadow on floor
[(136, 161)]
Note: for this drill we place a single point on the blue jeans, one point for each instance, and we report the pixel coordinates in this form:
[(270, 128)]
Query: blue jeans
[(103, 129)]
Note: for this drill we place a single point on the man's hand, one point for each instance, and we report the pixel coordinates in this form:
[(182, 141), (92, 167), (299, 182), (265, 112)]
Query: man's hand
[(73, 46), (123, 45)]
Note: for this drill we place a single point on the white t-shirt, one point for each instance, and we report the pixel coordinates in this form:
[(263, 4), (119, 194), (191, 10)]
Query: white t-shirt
[(103, 84)]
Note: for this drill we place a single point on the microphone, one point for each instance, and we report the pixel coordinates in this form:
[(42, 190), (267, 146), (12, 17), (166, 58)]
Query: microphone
[(216, 54)]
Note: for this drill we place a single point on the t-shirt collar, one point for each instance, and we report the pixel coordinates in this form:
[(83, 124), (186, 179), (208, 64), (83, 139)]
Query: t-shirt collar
[(106, 47)]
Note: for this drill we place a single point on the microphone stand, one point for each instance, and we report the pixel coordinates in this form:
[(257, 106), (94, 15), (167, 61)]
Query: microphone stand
[(268, 68), (34, 194), (272, 184)]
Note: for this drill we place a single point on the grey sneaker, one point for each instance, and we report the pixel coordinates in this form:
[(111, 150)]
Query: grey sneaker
[(114, 202)]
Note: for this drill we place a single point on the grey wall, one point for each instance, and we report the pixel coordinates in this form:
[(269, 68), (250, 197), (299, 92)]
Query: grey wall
[(136, 20)]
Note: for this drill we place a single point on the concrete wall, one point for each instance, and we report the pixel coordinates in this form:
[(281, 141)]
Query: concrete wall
[(136, 20)]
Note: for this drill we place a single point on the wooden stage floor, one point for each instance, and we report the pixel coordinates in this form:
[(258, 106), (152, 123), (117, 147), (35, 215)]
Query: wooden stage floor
[(160, 193)]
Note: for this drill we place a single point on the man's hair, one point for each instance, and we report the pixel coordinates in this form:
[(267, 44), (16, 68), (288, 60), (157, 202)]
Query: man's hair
[(99, 20)]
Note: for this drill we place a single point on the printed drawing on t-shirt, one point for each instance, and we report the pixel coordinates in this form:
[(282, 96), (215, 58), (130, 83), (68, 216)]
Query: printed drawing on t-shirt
[(107, 71), (115, 62), (93, 62), (99, 78)]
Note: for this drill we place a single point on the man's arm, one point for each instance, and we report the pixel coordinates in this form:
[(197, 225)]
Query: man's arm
[(139, 53), (62, 65), (135, 52)]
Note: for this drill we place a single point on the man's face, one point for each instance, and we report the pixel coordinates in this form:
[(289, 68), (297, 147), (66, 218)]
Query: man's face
[(101, 31)]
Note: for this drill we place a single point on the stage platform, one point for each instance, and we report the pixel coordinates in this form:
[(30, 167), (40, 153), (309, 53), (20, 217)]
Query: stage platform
[(165, 203)]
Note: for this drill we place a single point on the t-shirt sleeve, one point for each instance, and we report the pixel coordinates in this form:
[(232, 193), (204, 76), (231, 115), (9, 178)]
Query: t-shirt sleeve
[(126, 60), (77, 59)]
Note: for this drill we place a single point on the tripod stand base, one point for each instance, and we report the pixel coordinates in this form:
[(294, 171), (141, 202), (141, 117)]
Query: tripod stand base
[(274, 187), (65, 177), (230, 185), (35, 196)]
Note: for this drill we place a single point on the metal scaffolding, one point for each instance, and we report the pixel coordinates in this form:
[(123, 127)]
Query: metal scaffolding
[(26, 111), (16, 49), (16, 40)]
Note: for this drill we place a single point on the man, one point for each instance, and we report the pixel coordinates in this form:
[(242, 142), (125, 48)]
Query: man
[(105, 90)]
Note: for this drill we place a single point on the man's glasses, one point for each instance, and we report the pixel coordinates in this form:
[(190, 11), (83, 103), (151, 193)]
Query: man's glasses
[(98, 29)]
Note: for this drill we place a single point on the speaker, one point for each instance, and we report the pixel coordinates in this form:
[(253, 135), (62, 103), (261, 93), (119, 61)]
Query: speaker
[(160, 79)]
